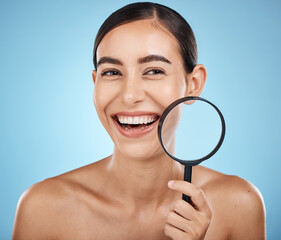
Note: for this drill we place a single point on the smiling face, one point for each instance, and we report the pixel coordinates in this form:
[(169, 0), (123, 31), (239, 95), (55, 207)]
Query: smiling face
[(139, 73)]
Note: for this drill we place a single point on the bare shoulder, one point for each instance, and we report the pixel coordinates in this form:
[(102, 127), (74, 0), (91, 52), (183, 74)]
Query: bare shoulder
[(238, 202), (45, 206), (235, 191), (36, 208), (230, 187)]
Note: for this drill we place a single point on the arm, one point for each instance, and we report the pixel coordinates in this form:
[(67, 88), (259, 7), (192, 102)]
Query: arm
[(237, 211), (27, 217), (35, 214), (248, 212)]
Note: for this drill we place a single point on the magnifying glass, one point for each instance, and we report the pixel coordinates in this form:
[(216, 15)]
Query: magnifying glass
[(191, 130)]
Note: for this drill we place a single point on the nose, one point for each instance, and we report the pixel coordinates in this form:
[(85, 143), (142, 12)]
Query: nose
[(132, 91)]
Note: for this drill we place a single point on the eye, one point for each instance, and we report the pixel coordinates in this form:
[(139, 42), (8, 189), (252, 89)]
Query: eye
[(110, 73), (154, 72)]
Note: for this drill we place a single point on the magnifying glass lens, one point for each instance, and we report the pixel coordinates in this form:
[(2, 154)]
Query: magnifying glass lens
[(191, 130)]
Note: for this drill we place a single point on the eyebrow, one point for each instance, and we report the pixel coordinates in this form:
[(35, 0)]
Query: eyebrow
[(149, 58), (152, 58), (109, 60)]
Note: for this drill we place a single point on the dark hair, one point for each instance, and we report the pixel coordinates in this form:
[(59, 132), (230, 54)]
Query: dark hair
[(167, 17)]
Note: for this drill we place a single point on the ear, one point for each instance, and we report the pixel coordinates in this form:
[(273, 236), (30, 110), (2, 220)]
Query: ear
[(94, 75), (196, 81)]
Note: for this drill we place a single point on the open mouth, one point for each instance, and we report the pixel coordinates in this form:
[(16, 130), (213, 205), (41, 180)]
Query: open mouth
[(135, 123)]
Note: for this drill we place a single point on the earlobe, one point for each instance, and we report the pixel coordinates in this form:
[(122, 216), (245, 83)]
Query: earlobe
[(94, 75), (196, 81)]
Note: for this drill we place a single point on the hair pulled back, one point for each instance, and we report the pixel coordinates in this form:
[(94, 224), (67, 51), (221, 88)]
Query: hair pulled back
[(167, 17)]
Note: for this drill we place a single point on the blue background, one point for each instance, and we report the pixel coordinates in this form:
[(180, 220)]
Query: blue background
[(48, 121)]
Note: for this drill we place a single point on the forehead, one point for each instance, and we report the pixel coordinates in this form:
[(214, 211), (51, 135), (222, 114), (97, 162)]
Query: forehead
[(137, 39)]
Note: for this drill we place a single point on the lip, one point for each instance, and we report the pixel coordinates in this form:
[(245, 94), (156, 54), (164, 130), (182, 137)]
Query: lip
[(139, 132)]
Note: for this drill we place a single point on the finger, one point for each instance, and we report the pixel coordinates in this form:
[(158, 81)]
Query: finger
[(174, 233), (184, 209), (195, 192), (194, 229), (177, 221)]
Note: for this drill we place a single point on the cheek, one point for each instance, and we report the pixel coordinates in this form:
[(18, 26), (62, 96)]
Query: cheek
[(97, 99), (165, 92), (103, 95), (175, 90)]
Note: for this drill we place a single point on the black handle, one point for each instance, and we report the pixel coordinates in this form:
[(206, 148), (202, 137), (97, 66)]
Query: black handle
[(187, 177)]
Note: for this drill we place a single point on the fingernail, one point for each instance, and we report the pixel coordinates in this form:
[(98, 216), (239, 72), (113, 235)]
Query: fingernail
[(171, 183)]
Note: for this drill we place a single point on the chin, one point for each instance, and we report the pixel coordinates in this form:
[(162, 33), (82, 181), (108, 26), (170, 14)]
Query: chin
[(140, 150)]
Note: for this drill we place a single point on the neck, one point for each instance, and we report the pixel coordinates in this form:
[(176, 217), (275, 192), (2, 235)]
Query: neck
[(143, 183)]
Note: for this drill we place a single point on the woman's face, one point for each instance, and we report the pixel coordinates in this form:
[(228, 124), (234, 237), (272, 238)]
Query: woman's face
[(139, 73)]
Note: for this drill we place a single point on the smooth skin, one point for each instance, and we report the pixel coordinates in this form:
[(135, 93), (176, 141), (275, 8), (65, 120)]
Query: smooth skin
[(136, 192)]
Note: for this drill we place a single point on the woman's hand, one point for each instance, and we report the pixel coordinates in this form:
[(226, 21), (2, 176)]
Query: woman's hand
[(188, 221)]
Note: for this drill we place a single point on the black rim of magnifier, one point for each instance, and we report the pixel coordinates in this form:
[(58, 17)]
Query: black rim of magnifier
[(166, 112)]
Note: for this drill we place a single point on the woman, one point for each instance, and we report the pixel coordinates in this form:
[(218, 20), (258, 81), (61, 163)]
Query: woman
[(145, 57)]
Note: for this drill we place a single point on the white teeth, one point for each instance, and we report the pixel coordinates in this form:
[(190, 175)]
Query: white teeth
[(122, 118), (129, 120), (136, 119)]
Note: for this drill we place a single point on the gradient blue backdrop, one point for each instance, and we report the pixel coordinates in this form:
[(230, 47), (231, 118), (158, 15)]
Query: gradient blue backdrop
[(48, 121)]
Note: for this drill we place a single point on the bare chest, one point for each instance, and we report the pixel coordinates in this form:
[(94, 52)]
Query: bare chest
[(102, 224), (109, 226)]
